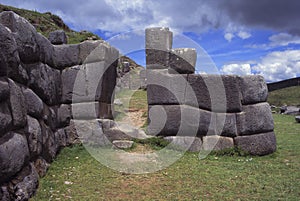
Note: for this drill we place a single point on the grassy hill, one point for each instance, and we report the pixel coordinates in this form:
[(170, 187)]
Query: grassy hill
[(47, 22), (286, 96)]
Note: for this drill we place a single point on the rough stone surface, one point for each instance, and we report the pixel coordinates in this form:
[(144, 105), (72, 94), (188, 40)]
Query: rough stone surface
[(123, 144), (297, 118), (45, 82), (192, 144), (85, 110), (24, 34), (41, 166), (106, 110), (172, 120), (183, 60), (158, 44), (214, 93), (58, 37), (50, 146), (254, 119), (50, 117), (260, 144), (64, 115), (27, 183), (35, 105), (18, 106), (66, 56), (226, 124), (165, 89), (34, 137), (4, 89), (14, 151), (254, 89), (90, 133), (6, 122), (217, 143), (71, 134), (60, 138)]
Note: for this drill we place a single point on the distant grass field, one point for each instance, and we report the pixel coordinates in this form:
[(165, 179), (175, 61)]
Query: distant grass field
[(286, 96), (75, 175)]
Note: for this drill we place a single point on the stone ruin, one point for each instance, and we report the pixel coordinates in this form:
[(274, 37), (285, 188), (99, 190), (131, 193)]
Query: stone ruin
[(39, 103), (49, 92), (204, 112)]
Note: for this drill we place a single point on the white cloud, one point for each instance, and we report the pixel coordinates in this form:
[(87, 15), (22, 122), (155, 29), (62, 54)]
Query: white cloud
[(229, 36), (236, 69), (283, 39), (279, 65), (243, 35), (275, 66)]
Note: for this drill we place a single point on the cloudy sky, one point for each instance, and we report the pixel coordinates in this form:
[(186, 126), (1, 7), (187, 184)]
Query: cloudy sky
[(240, 36)]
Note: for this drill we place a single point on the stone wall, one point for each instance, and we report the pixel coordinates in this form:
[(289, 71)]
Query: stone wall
[(215, 111), (42, 88)]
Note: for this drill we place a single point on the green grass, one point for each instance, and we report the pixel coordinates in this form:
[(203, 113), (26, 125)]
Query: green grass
[(286, 96), (273, 177)]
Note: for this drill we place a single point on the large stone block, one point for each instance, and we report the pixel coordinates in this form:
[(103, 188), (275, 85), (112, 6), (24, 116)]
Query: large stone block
[(88, 110), (89, 82), (18, 105), (50, 117), (158, 44), (46, 50), (58, 37), (24, 34), (254, 119), (183, 60), (226, 124), (14, 154), (164, 88), (34, 137), (172, 120), (254, 89), (259, 144), (66, 56), (97, 51), (187, 143), (6, 122), (90, 133), (45, 82), (217, 93), (217, 143), (35, 105), (159, 38), (9, 57), (4, 89)]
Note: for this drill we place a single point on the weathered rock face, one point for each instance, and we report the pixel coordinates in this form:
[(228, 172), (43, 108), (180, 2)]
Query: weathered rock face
[(58, 37), (224, 110), (39, 82)]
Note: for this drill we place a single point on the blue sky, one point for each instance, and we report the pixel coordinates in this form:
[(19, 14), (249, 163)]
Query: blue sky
[(231, 37)]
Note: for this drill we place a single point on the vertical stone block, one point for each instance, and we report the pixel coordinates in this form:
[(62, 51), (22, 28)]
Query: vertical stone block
[(183, 60)]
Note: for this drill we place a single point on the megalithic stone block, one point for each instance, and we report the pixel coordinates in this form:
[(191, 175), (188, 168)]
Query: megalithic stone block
[(171, 120), (254, 119), (158, 44), (259, 144), (254, 89), (183, 60), (164, 88), (217, 93)]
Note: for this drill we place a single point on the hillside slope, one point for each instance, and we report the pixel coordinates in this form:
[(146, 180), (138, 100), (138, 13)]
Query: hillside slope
[(286, 96)]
